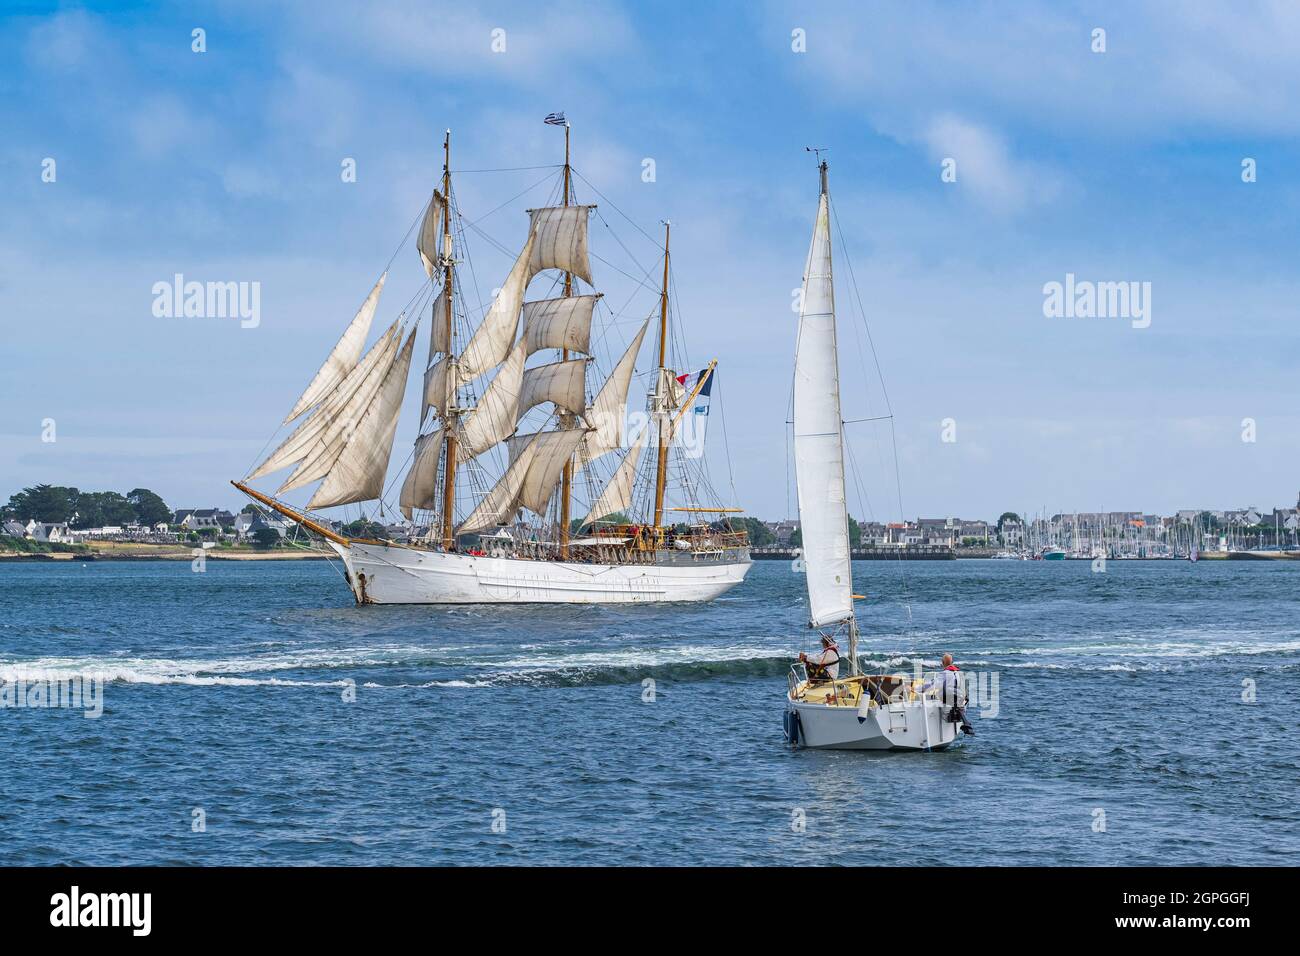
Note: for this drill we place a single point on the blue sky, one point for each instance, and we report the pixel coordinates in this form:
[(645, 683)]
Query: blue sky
[(1115, 166)]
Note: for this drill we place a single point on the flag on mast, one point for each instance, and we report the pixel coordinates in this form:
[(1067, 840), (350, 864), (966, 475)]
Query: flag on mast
[(555, 119), (688, 383)]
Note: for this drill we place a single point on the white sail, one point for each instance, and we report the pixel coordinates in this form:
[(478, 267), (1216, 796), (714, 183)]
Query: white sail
[(617, 495), (493, 419), (429, 241), (550, 450), (419, 488), (436, 388), (606, 413), (358, 473), (818, 439), (343, 358), (491, 341), (500, 504), (438, 342), (327, 448), (563, 323), (564, 384), (561, 233), (316, 426)]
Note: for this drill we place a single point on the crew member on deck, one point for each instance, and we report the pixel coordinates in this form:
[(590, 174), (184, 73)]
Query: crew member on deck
[(951, 695), (826, 665)]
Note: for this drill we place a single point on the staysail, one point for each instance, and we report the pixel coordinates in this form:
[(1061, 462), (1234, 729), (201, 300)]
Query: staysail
[(818, 438), (317, 427), (492, 340), (605, 416), (500, 504), (343, 358), (358, 473), (617, 495), (493, 419)]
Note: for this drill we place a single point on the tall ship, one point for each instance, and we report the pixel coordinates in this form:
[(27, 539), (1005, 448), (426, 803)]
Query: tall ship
[(531, 479)]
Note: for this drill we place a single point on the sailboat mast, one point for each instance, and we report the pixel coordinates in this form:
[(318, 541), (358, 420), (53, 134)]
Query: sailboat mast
[(449, 468), (566, 480), (661, 471)]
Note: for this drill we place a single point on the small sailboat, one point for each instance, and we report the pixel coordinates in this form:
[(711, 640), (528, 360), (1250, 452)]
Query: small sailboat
[(861, 711)]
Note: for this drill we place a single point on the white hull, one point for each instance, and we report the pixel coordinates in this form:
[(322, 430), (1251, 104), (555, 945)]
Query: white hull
[(901, 725), (380, 574)]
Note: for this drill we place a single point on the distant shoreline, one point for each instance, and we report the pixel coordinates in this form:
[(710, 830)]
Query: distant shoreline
[(211, 555)]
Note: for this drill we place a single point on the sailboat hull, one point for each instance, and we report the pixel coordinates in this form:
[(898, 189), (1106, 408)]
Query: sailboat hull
[(904, 725), (382, 574)]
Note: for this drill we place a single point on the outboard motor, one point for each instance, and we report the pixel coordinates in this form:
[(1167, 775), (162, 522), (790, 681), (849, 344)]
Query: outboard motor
[(792, 727)]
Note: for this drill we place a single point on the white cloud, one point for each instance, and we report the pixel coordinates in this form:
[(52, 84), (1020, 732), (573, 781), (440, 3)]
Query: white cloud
[(454, 40), (1169, 70), (985, 168), (62, 42)]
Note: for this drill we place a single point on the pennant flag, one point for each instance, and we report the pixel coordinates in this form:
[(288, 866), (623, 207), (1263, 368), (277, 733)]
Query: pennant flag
[(688, 382), (555, 119)]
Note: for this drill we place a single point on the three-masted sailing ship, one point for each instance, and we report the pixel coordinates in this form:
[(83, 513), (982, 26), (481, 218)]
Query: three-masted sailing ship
[(515, 433)]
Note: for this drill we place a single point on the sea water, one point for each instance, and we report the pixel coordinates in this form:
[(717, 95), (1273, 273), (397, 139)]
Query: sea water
[(251, 714)]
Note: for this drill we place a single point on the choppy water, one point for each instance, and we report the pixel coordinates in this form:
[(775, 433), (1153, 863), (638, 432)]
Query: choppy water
[(1118, 692)]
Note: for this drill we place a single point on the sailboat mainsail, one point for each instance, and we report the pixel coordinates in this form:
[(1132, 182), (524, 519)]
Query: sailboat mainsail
[(818, 437)]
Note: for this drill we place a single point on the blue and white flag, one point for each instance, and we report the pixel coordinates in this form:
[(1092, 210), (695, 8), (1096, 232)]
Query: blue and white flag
[(555, 119), (688, 382)]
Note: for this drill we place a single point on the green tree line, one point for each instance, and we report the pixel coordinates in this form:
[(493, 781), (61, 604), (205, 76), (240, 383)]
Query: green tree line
[(55, 504)]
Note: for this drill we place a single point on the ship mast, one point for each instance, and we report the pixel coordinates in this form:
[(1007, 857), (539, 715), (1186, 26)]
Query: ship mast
[(449, 413), (661, 472), (566, 481)]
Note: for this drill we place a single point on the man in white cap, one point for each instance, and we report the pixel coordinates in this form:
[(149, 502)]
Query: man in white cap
[(826, 665)]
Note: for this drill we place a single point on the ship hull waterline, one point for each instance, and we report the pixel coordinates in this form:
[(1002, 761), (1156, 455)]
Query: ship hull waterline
[(382, 574)]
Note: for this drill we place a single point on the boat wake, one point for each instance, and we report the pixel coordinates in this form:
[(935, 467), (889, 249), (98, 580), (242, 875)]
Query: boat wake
[(562, 664)]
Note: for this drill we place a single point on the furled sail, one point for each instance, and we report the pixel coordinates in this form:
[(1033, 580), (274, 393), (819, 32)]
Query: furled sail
[(493, 419), (607, 412), (344, 356), (561, 233), (491, 341), (438, 329), (550, 450), (562, 383), (358, 473), (316, 426), (419, 488), (617, 495), (436, 390), (818, 439), (430, 237), (500, 504), (559, 323)]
